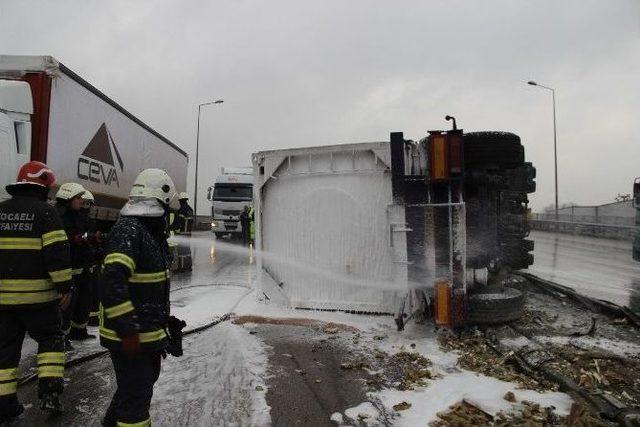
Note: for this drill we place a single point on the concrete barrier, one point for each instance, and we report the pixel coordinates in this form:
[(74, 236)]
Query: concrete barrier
[(618, 232)]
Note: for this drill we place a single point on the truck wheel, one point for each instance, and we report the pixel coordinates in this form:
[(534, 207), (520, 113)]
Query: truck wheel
[(219, 235), (496, 307), (502, 149)]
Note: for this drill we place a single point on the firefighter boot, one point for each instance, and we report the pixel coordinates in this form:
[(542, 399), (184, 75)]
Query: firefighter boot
[(50, 402), (77, 334)]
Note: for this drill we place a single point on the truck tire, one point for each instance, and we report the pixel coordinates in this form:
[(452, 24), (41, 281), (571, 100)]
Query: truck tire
[(489, 308), (219, 235), (501, 149)]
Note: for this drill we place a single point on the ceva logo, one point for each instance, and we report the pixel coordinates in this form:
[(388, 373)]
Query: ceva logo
[(96, 163)]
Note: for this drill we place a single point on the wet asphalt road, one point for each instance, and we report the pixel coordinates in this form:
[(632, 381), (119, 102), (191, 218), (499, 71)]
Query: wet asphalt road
[(600, 268), (189, 391), (307, 384)]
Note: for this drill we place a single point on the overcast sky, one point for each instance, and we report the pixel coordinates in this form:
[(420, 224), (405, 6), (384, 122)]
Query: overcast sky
[(298, 73)]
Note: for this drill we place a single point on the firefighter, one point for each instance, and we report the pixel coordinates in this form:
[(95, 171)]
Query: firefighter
[(244, 224), (181, 224), (95, 238), (252, 226), (134, 310), (35, 283), (69, 204), (84, 281), (184, 220)]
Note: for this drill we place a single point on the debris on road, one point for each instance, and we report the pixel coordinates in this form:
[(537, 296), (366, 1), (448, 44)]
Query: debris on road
[(510, 397), (475, 355), (402, 406), (462, 414)]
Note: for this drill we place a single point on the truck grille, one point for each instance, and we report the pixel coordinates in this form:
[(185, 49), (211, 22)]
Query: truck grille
[(230, 212)]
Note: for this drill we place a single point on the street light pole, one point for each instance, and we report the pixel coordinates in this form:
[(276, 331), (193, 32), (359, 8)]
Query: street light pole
[(555, 137), (195, 190)]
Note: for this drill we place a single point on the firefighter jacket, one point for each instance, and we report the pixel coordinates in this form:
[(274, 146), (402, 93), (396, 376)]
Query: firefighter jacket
[(34, 251), (73, 226), (92, 239), (182, 224), (252, 223), (135, 285)]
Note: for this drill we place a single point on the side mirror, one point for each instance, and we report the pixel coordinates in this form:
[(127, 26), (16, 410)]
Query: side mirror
[(209, 193)]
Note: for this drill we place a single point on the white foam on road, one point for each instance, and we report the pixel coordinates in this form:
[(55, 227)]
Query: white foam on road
[(215, 382), (484, 392), (200, 305)]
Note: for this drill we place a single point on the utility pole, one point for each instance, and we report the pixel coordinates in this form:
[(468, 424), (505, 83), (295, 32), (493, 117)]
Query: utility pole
[(555, 137), (195, 190)]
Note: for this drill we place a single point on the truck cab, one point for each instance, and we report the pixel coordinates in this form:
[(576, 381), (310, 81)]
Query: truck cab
[(232, 191), (16, 107)]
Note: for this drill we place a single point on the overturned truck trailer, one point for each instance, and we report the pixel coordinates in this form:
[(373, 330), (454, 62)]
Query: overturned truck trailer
[(361, 227)]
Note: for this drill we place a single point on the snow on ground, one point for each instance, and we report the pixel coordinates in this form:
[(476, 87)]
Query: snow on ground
[(219, 381), (479, 390), (201, 304), (618, 347), (452, 385)]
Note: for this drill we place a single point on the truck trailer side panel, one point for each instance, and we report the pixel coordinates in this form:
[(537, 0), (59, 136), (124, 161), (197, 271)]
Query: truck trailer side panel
[(324, 228), (86, 137), (96, 145)]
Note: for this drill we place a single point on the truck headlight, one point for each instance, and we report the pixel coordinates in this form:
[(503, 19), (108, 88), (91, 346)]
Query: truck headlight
[(213, 224)]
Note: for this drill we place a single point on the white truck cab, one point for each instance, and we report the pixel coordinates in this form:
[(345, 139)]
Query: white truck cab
[(16, 107), (232, 191)]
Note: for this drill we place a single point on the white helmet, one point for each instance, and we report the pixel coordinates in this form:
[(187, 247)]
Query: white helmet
[(88, 196), (183, 196), (69, 190), (154, 184)]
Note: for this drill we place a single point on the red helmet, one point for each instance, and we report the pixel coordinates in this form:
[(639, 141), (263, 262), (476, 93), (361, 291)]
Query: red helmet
[(37, 173)]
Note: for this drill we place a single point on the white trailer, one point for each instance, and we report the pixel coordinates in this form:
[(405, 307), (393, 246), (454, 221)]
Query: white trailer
[(49, 113), (328, 233), (396, 227)]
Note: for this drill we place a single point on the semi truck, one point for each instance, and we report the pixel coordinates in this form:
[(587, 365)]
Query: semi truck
[(50, 114), (396, 226), (230, 194)]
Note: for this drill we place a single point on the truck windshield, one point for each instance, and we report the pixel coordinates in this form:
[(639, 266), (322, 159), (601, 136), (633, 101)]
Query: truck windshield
[(231, 191)]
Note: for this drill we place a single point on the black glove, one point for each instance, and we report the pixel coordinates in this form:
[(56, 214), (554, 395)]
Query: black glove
[(175, 327)]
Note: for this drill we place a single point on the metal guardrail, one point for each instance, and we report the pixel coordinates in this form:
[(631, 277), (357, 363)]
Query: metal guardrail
[(609, 231), (586, 219)]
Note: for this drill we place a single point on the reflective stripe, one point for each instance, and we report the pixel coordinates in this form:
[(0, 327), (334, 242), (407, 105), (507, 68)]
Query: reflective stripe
[(60, 275), (117, 257), (53, 237), (8, 374), (17, 298), (56, 371), (145, 337), (8, 388), (51, 357), (145, 423), (77, 271), (149, 277), (27, 243), (94, 314), (25, 285), (118, 310)]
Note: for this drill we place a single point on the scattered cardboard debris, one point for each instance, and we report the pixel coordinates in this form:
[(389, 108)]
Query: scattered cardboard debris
[(402, 406)]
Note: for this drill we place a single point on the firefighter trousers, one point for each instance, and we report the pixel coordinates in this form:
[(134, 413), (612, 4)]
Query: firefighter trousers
[(81, 301), (135, 378), (94, 306), (43, 325)]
